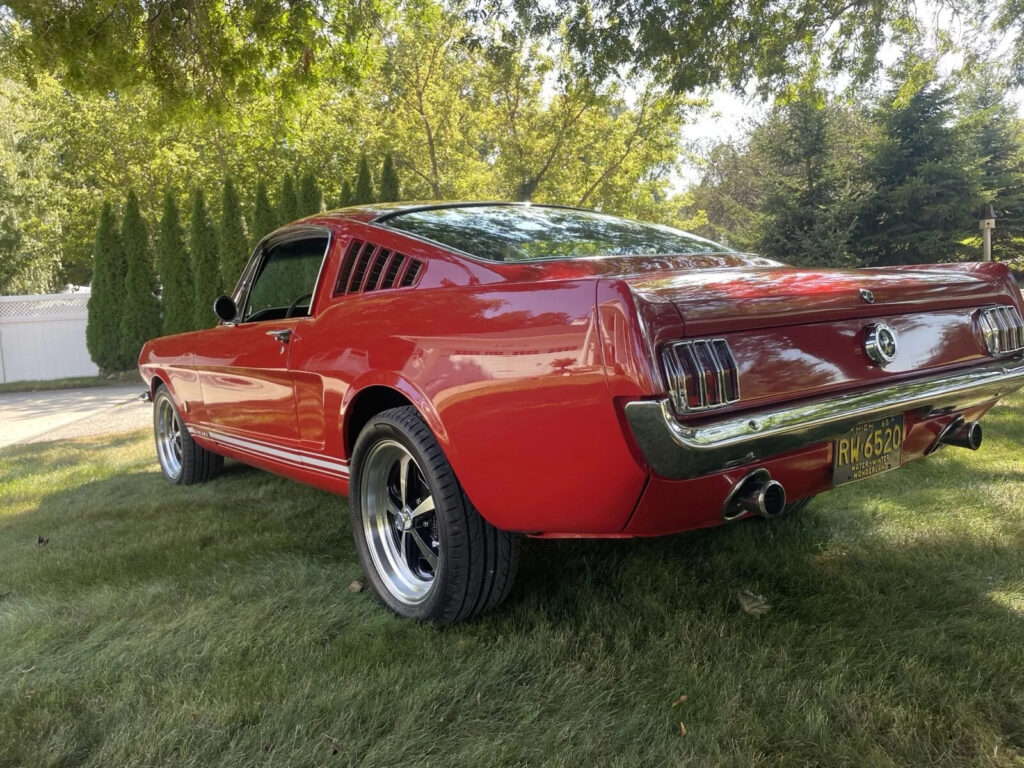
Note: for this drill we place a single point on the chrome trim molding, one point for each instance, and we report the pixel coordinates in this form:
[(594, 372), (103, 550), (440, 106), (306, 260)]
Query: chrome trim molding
[(1001, 329), (680, 451)]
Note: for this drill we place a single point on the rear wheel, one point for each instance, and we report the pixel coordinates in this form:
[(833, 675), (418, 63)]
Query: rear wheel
[(425, 549), (181, 459)]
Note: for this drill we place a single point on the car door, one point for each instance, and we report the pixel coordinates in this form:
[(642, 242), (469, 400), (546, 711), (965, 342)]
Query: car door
[(247, 389)]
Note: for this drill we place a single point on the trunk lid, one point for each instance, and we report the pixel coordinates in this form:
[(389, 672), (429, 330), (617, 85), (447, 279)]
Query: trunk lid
[(722, 300)]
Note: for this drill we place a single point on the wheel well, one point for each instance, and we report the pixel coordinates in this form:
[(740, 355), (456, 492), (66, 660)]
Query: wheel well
[(154, 385), (365, 406)]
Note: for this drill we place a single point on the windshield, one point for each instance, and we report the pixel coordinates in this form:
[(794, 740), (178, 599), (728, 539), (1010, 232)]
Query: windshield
[(531, 232)]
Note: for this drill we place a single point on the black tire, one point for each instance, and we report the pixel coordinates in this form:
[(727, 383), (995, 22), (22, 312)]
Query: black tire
[(181, 460), (474, 563)]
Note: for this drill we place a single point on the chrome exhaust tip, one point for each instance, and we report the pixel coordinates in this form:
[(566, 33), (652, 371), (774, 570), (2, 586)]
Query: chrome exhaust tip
[(755, 494), (967, 435)]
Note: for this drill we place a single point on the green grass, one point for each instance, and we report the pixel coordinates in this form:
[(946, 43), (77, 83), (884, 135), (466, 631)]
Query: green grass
[(73, 382), (213, 626)]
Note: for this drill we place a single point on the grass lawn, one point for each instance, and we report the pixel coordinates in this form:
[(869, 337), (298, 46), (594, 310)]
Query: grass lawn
[(74, 382), (214, 626)]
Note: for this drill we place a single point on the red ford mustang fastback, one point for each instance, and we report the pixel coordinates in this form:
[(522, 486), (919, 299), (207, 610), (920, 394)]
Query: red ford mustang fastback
[(468, 372)]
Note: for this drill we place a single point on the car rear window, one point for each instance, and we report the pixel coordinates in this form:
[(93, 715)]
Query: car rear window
[(533, 232)]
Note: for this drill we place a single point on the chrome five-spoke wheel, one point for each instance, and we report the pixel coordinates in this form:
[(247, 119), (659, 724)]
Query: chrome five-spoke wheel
[(182, 460), (168, 437), (426, 551), (400, 522)]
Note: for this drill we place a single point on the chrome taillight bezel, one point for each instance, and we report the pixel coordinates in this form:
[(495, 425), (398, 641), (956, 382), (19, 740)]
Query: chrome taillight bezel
[(1001, 329), (702, 374)]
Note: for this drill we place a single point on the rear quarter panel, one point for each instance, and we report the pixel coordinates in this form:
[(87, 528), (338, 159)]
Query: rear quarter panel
[(510, 378)]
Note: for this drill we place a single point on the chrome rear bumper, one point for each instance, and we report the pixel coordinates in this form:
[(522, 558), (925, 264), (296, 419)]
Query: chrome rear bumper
[(679, 451)]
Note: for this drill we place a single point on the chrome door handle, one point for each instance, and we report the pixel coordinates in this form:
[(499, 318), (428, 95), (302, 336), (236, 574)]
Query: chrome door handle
[(282, 335)]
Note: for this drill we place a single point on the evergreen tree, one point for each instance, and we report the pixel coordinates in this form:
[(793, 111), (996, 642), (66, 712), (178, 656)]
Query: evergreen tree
[(287, 202), (812, 182), (232, 244), (347, 195), (140, 316), (364, 184), (172, 261), (311, 199), (389, 190), (923, 204), (994, 135), (205, 269), (103, 328), (264, 218)]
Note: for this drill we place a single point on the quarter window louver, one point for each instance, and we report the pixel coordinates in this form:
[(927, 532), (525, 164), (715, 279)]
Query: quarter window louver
[(701, 374), (368, 267), (1002, 329)]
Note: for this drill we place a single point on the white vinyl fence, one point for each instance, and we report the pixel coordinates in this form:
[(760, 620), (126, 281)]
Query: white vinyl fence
[(43, 337)]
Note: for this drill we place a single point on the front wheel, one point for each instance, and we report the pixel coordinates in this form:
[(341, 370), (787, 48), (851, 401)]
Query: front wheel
[(183, 461), (426, 551)]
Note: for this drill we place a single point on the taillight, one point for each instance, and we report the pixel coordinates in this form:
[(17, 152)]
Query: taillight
[(701, 374), (1001, 328)]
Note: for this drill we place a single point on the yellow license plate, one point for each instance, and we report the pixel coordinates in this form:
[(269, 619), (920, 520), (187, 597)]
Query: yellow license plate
[(868, 449)]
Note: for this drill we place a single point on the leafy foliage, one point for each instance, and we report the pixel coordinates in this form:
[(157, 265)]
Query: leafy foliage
[(205, 267), (140, 312), (232, 243), (173, 263), (207, 52), (103, 327)]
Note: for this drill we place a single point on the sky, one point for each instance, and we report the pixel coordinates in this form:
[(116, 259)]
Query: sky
[(731, 115)]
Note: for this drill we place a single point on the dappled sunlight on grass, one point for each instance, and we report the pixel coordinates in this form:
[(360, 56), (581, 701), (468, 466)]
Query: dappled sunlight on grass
[(214, 625)]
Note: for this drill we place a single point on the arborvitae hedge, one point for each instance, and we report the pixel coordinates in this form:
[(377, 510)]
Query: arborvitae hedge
[(232, 244), (364, 184), (347, 195), (389, 189), (287, 201), (205, 269), (175, 270), (140, 315), (264, 217), (103, 328), (311, 199)]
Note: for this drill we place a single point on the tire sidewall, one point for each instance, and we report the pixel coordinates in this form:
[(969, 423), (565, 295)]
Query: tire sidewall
[(383, 427)]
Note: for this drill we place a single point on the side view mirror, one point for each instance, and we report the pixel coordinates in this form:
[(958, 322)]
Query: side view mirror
[(224, 308)]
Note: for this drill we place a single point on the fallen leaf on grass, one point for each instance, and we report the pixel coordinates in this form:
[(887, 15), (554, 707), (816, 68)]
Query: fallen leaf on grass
[(679, 701), (42, 541), (753, 604), (682, 729), (30, 669), (355, 586), (31, 691)]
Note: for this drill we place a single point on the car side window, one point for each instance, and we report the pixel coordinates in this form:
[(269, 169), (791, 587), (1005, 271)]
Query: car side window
[(284, 285)]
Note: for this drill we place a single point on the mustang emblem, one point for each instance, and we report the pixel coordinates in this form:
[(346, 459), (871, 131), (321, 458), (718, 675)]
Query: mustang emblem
[(880, 343), (867, 295)]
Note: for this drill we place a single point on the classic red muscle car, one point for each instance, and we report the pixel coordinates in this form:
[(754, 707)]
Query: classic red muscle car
[(469, 372)]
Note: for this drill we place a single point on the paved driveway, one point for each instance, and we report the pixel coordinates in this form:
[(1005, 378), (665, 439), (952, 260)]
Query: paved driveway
[(30, 417)]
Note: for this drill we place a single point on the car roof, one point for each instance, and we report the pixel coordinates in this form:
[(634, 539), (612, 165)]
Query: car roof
[(379, 212)]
